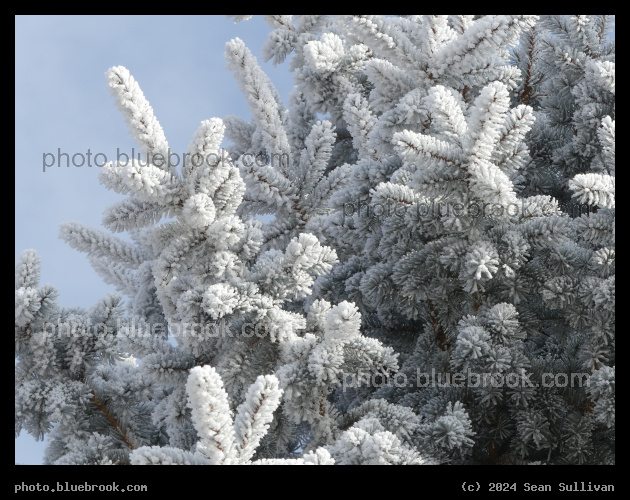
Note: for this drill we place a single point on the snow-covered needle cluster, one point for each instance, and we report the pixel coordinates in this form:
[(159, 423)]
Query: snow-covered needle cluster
[(436, 285)]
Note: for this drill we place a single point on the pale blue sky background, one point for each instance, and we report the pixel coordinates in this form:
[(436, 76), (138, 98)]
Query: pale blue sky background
[(62, 101)]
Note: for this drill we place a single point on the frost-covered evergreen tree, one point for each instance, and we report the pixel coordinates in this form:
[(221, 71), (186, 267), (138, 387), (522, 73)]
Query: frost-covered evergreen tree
[(70, 379), (202, 279), (226, 442), (425, 292), (449, 242), (568, 68)]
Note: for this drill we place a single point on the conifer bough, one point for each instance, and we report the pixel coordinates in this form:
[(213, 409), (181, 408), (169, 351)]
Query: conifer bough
[(510, 308)]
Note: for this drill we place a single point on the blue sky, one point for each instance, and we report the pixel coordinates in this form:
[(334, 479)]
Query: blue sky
[(62, 102)]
